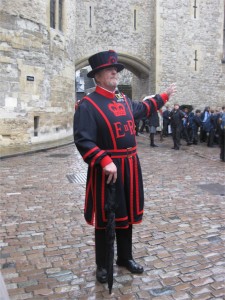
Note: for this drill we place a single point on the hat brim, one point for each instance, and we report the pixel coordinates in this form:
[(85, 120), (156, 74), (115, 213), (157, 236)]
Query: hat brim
[(92, 73)]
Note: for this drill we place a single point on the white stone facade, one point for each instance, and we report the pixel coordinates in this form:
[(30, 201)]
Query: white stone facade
[(159, 41)]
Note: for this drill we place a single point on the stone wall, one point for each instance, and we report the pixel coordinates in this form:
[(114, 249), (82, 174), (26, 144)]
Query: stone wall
[(183, 34), (126, 28), (37, 72)]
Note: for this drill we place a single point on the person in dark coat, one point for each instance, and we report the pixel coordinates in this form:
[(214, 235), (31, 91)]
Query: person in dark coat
[(153, 123), (204, 116), (196, 124), (221, 122), (185, 127), (211, 128), (166, 121), (176, 116), (104, 133)]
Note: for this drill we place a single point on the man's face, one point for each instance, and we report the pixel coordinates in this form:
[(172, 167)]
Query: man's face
[(107, 78), (176, 107)]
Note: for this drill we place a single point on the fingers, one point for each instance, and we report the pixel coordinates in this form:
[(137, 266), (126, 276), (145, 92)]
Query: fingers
[(111, 178), (171, 90), (110, 171)]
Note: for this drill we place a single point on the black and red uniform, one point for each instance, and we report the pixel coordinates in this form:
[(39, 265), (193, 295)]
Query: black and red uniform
[(104, 131)]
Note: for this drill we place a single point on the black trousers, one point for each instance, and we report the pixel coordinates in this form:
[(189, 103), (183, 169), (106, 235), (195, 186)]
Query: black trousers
[(123, 241), (176, 131), (222, 144)]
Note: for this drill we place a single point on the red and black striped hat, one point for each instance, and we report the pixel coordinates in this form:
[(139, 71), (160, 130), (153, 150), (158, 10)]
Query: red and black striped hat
[(103, 60)]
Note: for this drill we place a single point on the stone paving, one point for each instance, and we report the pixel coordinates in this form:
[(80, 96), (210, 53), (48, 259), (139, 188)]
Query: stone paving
[(47, 249)]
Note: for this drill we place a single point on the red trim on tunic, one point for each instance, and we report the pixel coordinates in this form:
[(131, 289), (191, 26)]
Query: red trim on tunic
[(132, 116), (148, 108), (106, 120), (121, 219), (93, 186), (103, 197), (122, 150), (87, 192), (136, 184), (154, 103), (117, 227), (131, 189), (137, 222), (122, 170), (94, 212), (89, 152), (97, 156)]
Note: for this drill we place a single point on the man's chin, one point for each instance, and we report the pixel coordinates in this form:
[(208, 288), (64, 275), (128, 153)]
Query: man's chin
[(113, 84)]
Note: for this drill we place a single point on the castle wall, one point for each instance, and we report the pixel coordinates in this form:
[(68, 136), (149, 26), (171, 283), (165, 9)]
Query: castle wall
[(36, 73), (189, 43)]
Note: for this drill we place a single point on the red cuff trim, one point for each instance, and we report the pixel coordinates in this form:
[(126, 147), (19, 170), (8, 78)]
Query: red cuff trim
[(154, 103), (105, 161), (89, 152), (148, 108), (164, 97)]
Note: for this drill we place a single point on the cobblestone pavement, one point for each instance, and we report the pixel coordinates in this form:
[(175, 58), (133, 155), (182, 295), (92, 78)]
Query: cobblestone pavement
[(47, 249)]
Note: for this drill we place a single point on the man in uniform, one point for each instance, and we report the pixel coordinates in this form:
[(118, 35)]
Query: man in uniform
[(104, 133)]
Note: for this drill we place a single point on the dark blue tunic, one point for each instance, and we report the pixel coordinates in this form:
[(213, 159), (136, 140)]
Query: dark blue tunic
[(104, 131)]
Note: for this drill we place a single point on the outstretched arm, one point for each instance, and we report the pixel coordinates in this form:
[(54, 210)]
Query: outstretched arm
[(152, 103)]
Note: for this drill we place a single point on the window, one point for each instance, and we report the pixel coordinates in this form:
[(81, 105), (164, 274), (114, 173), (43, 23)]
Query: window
[(60, 14), (36, 125), (56, 14), (52, 13), (135, 19)]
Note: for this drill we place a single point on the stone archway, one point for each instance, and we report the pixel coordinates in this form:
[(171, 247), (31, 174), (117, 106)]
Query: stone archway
[(140, 69)]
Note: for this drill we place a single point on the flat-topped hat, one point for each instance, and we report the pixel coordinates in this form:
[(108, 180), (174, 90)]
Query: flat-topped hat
[(103, 60)]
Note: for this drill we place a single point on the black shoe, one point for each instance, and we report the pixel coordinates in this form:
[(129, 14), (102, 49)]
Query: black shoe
[(130, 265), (154, 145), (101, 275)]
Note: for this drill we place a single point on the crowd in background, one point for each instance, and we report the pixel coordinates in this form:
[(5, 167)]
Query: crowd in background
[(182, 122)]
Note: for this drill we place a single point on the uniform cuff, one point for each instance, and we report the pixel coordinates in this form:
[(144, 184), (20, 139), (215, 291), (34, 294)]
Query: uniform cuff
[(164, 97), (105, 161)]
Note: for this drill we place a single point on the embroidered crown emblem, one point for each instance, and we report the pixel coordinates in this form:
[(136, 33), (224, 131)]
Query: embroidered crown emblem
[(117, 109)]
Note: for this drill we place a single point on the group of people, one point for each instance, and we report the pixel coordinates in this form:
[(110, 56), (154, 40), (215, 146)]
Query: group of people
[(182, 123)]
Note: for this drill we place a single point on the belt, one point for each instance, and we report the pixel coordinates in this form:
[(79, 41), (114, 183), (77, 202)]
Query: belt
[(123, 153)]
